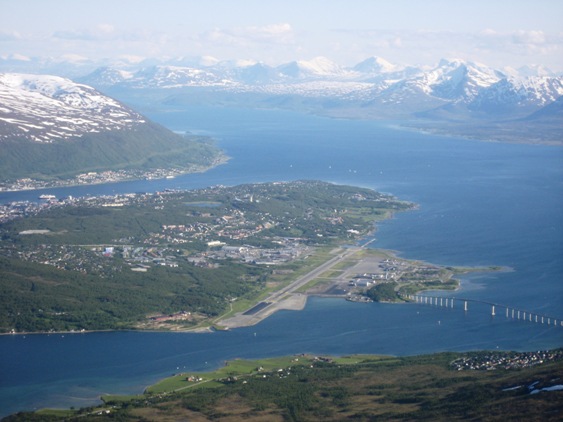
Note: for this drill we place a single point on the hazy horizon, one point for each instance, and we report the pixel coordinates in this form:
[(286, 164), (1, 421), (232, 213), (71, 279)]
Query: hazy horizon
[(498, 33)]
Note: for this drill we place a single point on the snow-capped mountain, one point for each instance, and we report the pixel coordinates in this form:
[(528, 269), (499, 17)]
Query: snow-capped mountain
[(452, 80), (253, 74), (373, 80), (529, 92), (47, 108), (175, 76), (51, 127), (107, 76), (164, 77), (375, 66), (319, 67), (454, 89), (535, 70)]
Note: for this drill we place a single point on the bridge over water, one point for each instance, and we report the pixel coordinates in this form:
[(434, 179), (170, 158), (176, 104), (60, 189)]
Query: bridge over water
[(495, 308)]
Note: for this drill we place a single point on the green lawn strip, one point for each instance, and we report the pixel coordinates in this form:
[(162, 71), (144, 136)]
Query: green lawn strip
[(330, 275), (325, 278), (354, 359), (303, 266), (347, 263), (119, 398), (59, 413), (414, 288), (312, 283)]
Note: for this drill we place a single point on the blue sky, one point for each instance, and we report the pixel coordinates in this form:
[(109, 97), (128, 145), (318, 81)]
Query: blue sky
[(496, 32)]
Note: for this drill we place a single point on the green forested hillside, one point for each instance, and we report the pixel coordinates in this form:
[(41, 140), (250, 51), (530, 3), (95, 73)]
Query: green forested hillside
[(38, 297), (144, 147)]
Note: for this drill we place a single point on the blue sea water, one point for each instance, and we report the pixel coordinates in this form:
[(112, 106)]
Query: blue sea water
[(480, 204)]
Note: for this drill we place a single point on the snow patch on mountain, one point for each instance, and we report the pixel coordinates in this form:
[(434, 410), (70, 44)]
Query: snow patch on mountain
[(530, 92), (175, 76), (315, 68), (371, 82), (49, 108), (455, 80), (375, 65)]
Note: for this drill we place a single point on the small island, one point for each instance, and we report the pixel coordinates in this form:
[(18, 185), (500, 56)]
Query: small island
[(219, 257)]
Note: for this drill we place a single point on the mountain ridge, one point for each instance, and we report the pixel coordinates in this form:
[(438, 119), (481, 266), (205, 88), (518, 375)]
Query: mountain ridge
[(373, 82), (52, 127)]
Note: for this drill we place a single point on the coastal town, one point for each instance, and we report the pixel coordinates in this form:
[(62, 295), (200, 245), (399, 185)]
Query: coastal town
[(100, 177)]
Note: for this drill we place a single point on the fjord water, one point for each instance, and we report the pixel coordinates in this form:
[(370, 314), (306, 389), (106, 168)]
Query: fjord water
[(481, 204)]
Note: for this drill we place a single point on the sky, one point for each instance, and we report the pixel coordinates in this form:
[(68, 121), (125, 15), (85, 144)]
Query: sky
[(499, 33)]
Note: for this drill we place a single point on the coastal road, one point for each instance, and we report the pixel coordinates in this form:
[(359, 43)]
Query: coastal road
[(272, 303)]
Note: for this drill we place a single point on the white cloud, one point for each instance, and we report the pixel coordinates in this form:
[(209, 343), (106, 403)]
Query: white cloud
[(83, 35), (208, 61), (130, 58), (279, 42), (529, 37), (522, 42), (100, 32), (496, 48), (106, 28), (10, 35), (281, 33), (16, 57), (72, 58)]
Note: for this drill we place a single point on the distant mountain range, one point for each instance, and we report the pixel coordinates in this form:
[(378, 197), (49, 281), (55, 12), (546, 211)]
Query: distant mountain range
[(451, 81), (51, 127), (455, 96)]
